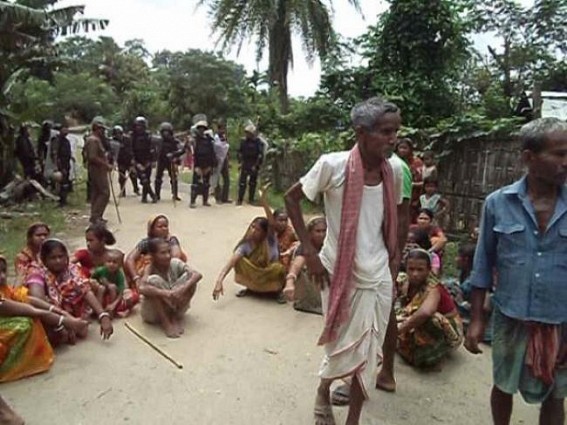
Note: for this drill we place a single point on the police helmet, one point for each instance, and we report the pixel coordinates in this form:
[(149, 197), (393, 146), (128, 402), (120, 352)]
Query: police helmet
[(165, 126), (141, 120)]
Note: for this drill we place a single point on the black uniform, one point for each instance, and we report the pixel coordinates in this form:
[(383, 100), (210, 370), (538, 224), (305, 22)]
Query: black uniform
[(170, 151), (204, 160), (250, 156), (144, 155), (61, 155), (126, 167), (26, 155)]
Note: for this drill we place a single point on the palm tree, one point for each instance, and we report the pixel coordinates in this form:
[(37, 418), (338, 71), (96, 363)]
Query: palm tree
[(28, 29), (272, 23)]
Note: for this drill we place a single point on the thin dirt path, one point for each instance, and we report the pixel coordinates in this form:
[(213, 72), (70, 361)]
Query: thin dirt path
[(246, 361)]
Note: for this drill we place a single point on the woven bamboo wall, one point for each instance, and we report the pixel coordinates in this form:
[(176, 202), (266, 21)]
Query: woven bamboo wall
[(471, 172)]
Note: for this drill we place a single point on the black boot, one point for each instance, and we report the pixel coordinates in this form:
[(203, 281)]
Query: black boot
[(175, 190), (157, 186), (144, 195), (194, 194)]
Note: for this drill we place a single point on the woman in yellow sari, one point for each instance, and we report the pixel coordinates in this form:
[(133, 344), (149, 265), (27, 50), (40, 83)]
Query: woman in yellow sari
[(429, 323), (24, 347), (255, 262)]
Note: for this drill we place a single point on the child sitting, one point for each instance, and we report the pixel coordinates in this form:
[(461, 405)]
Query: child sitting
[(433, 200), (111, 289)]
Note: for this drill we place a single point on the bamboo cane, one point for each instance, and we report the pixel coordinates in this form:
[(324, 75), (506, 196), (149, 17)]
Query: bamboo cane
[(151, 344)]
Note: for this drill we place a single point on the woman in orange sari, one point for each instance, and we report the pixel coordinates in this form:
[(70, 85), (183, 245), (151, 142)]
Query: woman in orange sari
[(29, 255), (139, 258), (24, 347)]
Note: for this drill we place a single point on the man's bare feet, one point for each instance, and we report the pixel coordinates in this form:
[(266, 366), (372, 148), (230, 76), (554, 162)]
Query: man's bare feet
[(170, 329), (8, 416), (385, 382), (323, 411)]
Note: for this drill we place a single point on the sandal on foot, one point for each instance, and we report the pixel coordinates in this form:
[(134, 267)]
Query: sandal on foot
[(341, 395), (323, 415)]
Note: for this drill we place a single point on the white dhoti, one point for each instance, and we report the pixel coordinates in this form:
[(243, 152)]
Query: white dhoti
[(358, 347)]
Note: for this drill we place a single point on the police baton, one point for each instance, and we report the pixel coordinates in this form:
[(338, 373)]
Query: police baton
[(114, 196)]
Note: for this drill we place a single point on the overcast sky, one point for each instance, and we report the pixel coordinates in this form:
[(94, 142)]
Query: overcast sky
[(178, 25)]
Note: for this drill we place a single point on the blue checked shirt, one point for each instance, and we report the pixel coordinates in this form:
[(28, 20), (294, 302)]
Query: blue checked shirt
[(531, 267)]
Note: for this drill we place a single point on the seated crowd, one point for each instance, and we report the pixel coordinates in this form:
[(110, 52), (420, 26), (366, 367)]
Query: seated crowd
[(56, 294)]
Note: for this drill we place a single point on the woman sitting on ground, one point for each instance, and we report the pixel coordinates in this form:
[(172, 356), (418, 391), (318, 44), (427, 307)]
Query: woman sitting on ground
[(436, 235), (299, 286), (168, 285), (139, 257), (62, 284), (24, 347), (256, 262), (98, 238), (279, 221), (429, 324), (29, 255)]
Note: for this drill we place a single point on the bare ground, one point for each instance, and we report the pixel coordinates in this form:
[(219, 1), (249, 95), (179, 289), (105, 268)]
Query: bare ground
[(246, 361)]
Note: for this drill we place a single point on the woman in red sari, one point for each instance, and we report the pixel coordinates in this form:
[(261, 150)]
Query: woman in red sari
[(404, 149), (29, 255), (61, 284)]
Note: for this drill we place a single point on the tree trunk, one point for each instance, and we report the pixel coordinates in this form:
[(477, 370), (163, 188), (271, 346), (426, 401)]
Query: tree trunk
[(6, 151), (280, 54)]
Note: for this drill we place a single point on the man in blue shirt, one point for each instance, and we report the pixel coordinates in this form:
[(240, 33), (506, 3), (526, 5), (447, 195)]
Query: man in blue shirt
[(522, 256)]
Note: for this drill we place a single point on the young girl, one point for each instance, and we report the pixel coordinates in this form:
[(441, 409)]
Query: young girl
[(98, 239), (299, 286), (429, 324), (111, 290), (29, 255), (429, 168), (433, 200), (168, 285)]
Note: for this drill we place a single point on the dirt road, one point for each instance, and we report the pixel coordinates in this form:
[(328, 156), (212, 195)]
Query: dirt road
[(246, 361)]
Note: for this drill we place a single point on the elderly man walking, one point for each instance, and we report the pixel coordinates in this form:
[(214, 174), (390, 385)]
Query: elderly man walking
[(523, 244), (360, 255)]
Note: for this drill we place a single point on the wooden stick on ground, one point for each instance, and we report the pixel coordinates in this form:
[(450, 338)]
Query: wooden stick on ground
[(151, 344)]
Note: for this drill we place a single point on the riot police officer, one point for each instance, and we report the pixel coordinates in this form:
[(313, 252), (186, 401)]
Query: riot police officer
[(124, 160), (169, 153), (144, 155), (250, 156), (205, 161), (61, 156)]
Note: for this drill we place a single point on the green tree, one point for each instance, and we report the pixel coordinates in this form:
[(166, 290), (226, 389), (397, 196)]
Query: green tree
[(200, 82), (531, 43), (272, 24), (414, 55), (27, 32)]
